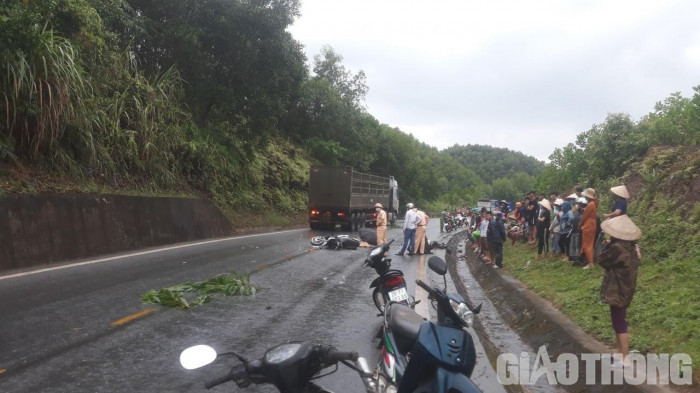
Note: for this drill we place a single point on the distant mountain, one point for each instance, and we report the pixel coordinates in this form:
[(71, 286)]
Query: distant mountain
[(494, 162)]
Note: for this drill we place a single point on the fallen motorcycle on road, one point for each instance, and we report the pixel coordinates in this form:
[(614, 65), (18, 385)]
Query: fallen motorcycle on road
[(336, 242)]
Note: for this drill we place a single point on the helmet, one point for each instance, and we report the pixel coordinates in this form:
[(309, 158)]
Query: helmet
[(409, 205), (378, 205), (518, 204)]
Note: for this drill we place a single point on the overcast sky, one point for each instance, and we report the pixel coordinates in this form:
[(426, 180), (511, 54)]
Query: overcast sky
[(526, 75)]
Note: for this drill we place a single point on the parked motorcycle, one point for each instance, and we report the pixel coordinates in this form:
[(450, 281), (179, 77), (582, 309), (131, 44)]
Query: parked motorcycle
[(336, 242), (390, 286), (428, 356), (291, 367), (448, 224)]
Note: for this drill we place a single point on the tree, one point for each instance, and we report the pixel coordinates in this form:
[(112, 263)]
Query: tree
[(328, 65)]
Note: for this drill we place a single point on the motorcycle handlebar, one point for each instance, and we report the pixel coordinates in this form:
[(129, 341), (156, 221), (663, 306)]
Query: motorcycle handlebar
[(332, 355), (218, 381), (236, 374), (425, 286)]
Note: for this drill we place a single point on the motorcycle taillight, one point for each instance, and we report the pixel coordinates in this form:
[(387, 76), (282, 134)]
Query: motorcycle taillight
[(393, 281)]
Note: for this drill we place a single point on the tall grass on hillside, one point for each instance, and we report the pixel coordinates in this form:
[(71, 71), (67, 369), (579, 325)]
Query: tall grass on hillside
[(40, 94)]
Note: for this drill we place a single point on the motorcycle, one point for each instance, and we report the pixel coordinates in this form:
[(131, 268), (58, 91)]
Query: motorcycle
[(291, 367), (336, 242), (448, 224), (425, 356), (390, 286)]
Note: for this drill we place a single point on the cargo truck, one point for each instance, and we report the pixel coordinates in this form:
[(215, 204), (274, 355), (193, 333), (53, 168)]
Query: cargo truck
[(342, 195)]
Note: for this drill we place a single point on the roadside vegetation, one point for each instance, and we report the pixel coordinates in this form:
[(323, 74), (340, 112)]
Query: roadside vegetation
[(211, 99), (664, 316)]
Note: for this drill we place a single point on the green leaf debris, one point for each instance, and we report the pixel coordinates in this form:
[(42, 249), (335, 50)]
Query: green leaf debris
[(177, 296)]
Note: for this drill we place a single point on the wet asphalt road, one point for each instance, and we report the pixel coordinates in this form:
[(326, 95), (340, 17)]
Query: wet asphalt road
[(57, 332)]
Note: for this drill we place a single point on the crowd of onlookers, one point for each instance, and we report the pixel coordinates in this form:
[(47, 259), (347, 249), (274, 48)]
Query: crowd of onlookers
[(571, 225), (561, 226)]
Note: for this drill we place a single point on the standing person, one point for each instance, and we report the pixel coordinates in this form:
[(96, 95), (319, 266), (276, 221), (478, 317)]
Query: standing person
[(543, 222), (505, 209), (589, 226), (565, 228), (409, 230), (554, 229), (496, 237), (620, 259), (620, 206), (532, 220), (420, 231), (381, 223), (483, 230)]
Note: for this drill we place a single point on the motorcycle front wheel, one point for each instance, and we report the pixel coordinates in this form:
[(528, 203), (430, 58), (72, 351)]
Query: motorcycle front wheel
[(318, 240)]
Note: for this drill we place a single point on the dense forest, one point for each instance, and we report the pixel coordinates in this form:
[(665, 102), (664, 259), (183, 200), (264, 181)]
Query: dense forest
[(207, 97), (214, 98)]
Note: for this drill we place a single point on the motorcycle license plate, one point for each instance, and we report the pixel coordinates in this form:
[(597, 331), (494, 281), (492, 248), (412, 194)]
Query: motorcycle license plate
[(398, 295)]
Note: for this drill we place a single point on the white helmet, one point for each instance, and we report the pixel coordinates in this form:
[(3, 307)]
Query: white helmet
[(409, 205)]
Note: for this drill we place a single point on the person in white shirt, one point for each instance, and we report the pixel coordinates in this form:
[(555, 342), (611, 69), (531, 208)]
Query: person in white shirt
[(409, 230)]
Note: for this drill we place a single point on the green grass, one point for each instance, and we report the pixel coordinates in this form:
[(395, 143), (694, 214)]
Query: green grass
[(664, 316)]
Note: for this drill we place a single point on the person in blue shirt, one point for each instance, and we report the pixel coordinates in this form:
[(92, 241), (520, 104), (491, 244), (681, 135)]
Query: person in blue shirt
[(620, 206)]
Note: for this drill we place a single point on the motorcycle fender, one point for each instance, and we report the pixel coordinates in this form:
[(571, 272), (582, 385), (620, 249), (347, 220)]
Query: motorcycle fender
[(375, 282), (449, 381)]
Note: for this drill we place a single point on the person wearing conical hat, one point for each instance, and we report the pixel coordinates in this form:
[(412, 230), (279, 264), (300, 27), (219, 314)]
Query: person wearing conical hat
[(620, 206), (381, 223), (543, 223), (588, 226), (620, 259)]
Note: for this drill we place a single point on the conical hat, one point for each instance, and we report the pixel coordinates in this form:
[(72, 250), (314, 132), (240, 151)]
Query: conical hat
[(590, 193), (621, 191), (621, 227), (545, 203), (572, 196)]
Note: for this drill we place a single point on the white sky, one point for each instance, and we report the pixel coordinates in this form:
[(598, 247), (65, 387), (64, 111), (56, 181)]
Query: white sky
[(525, 75)]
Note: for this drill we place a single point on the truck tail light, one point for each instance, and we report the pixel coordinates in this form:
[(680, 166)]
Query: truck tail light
[(341, 214), (314, 212)]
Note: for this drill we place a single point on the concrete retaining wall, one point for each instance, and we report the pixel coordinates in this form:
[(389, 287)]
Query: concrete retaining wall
[(39, 229)]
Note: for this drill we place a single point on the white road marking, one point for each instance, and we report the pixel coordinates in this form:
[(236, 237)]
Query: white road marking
[(422, 307), (141, 253)]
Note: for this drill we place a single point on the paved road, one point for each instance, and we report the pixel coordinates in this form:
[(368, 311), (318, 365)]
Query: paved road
[(57, 332)]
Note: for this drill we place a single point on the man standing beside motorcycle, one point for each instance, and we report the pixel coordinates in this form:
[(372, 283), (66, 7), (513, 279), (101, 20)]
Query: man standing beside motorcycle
[(409, 230), (420, 231), (381, 223)]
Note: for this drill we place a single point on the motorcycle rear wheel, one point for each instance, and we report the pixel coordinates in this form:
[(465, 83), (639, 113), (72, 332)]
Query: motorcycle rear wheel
[(378, 299)]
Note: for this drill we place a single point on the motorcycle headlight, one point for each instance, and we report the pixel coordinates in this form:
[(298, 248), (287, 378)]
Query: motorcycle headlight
[(282, 352), (463, 312), (376, 251)]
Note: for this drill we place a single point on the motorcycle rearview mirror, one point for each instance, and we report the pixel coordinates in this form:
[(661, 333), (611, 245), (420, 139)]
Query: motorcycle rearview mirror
[(477, 309), (197, 356), (437, 265)]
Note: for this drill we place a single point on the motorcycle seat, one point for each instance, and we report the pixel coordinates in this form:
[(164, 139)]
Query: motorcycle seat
[(405, 324)]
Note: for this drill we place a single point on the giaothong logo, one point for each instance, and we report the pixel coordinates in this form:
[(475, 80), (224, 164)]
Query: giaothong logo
[(652, 369)]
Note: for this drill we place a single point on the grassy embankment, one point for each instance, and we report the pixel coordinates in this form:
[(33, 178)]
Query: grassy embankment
[(664, 316)]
